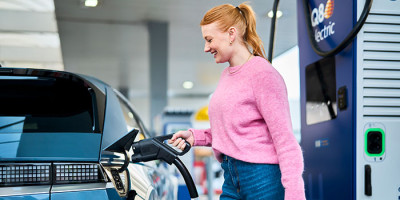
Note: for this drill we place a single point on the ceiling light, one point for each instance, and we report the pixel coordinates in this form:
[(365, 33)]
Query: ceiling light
[(91, 3), (278, 14), (187, 85)]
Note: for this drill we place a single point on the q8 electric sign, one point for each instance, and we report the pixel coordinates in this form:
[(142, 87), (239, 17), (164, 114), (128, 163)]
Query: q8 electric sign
[(318, 15)]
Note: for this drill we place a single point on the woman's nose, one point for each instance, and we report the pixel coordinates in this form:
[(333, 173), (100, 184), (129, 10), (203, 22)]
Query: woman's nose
[(206, 48)]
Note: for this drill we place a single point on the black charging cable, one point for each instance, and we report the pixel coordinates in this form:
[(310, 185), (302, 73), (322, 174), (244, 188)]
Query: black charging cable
[(272, 31)]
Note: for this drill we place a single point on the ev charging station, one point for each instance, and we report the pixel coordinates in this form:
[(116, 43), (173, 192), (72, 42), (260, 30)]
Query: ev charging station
[(350, 101)]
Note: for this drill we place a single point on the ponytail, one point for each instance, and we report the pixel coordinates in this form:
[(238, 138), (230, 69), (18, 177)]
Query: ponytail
[(250, 36), (243, 18)]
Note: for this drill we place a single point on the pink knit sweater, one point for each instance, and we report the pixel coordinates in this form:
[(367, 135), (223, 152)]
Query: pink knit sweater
[(250, 121)]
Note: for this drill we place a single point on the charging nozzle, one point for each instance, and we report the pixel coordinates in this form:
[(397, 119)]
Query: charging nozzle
[(155, 149)]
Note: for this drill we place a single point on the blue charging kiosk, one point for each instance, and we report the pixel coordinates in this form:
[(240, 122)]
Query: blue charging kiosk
[(350, 102)]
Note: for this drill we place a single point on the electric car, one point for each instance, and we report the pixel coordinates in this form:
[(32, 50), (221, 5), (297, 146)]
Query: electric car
[(60, 135)]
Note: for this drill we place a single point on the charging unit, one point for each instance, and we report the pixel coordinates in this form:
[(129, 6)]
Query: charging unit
[(350, 102)]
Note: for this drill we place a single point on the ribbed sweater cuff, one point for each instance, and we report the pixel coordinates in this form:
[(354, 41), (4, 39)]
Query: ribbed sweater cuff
[(199, 137)]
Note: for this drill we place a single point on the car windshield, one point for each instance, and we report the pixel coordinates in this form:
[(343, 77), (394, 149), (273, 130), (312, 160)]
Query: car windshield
[(35, 104)]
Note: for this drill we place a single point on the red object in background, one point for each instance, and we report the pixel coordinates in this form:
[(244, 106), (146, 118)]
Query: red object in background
[(200, 175)]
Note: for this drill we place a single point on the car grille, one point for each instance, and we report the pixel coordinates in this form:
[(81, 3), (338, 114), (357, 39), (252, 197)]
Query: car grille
[(24, 174), (67, 173), (14, 174)]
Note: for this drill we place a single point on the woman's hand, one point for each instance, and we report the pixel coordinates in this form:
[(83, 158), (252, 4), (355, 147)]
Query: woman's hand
[(178, 138)]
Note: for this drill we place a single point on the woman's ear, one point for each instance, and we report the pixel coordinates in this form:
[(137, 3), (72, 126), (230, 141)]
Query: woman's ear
[(232, 33)]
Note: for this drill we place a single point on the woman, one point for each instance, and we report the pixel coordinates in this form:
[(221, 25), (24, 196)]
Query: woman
[(251, 132)]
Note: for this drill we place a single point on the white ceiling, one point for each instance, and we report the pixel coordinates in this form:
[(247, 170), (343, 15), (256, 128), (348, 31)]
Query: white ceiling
[(22, 5), (112, 39)]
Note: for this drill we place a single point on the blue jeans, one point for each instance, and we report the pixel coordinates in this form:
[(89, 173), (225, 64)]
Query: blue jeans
[(251, 181)]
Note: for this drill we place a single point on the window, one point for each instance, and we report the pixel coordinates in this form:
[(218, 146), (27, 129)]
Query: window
[(131, 118), (36, 104)]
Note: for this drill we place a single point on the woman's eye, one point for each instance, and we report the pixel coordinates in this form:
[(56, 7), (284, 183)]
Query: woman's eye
[(209, 41)]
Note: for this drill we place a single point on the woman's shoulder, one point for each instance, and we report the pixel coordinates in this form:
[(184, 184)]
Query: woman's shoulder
[(263, 72), (262, 65)]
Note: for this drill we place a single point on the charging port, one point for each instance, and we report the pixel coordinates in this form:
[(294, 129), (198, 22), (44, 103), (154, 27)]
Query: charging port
[(374, 142)]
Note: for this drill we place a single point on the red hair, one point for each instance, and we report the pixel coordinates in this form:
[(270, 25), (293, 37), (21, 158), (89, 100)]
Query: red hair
[(243, 19)]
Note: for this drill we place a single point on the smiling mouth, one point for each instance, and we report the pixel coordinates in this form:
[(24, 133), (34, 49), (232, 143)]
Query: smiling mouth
[(214, 53)]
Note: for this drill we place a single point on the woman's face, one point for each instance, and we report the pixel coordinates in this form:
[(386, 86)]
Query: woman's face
[(217, 42)]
